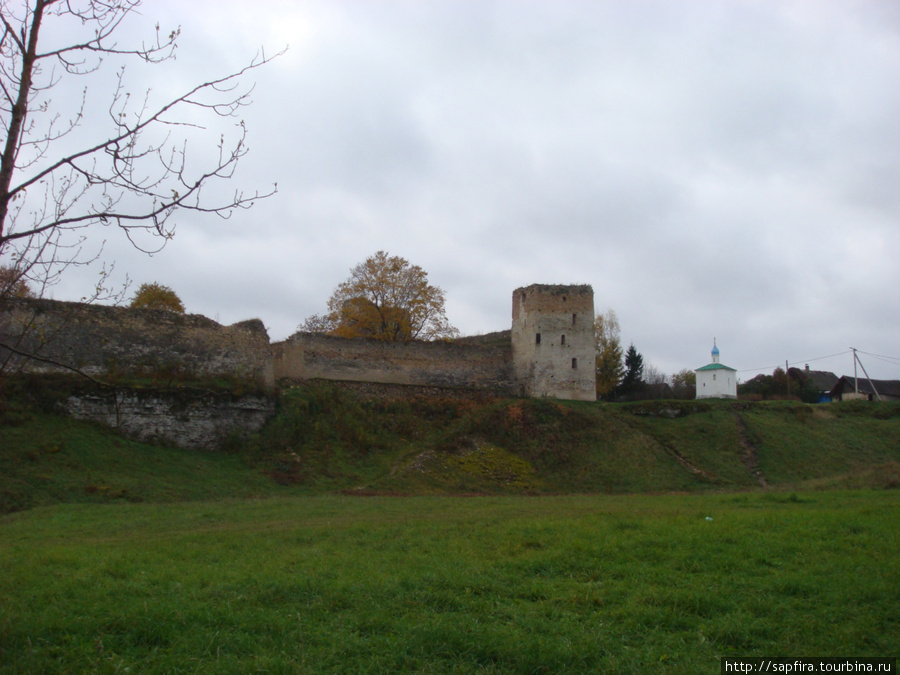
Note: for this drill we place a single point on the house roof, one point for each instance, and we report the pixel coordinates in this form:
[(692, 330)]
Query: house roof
[(716, 366), (823, 379), (847, 384)]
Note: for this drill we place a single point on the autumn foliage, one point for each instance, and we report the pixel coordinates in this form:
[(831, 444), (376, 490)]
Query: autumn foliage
[(157, 296), (13, 284), (385, 298), (608, 350)]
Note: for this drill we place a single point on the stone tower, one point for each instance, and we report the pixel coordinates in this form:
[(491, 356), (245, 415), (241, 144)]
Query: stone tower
[(553, 341)]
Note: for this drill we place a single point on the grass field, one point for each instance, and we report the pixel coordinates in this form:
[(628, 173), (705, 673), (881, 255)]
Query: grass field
[(329, 584), (688, 531)]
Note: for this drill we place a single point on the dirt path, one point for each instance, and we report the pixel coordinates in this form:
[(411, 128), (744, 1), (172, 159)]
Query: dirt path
[(681, 459), (749, 451), (686, 463)]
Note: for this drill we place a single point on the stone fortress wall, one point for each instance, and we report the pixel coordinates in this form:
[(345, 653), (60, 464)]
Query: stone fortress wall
[(101, 339), (307, 356), (550, 352)]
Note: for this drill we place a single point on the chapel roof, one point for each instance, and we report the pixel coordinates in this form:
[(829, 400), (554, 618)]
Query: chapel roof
[(717, 366)]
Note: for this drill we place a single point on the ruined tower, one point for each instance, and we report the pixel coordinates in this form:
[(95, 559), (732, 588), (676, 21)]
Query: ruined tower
[(553, 341)]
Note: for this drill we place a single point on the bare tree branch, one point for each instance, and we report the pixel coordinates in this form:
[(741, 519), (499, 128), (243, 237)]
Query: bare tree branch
[(89, 185), (138, 173)]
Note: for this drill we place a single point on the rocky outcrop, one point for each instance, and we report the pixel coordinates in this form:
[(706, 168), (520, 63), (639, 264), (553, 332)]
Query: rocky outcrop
[(191, 420)]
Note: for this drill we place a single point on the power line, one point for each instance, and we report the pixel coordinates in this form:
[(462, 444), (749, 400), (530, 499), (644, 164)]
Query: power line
[(753, 370), (818, 358), (887, 359), (893, 360)]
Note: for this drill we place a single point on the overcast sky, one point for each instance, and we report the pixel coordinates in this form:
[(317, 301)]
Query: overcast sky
[(725, 169)]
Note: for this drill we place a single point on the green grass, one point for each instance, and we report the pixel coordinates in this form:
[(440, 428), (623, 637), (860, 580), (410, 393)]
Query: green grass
[(48, 459), (118, 556), (802, 442), (326, 440), (449, 585), (709, 441)]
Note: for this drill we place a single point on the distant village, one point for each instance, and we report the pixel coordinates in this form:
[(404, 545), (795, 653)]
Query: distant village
[(717, 380)]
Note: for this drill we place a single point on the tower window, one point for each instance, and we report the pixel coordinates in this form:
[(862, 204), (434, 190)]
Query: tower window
[(574, 363), (573, 319), (537, 338), (562, 341)]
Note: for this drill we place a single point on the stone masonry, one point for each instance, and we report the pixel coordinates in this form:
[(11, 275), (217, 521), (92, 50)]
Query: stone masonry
[(550, 352), (553, 341)]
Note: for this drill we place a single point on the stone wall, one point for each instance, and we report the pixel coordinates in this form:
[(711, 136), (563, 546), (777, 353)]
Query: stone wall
[(195, 421), (548, 352), (431, 364), (99, 339), (407, 392), (102, 340)]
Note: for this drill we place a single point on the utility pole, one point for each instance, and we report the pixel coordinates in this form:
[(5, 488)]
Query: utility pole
[(855, 377), (787, 372), (865, 372)]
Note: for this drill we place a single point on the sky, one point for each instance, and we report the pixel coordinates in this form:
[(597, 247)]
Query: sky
[(714, 169)]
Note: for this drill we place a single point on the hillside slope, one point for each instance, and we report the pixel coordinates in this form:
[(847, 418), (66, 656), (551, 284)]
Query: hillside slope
[(326, 439)]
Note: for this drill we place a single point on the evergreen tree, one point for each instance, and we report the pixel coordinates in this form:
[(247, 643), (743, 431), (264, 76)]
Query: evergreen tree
[(634, 372)]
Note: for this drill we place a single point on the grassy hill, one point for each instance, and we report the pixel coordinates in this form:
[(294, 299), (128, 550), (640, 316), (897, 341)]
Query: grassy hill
[(326, 439)]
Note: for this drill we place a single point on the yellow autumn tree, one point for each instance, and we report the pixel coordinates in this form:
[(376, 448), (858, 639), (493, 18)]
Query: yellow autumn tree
[(361, 318), (385, 298), (157, 296), (608, 349), (13, 283)]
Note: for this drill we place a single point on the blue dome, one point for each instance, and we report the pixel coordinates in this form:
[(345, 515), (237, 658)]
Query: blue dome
[(715, 350)]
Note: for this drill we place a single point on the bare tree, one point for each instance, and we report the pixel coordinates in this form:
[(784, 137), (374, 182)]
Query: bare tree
[(59, 176), (653, 376), (684, 383)]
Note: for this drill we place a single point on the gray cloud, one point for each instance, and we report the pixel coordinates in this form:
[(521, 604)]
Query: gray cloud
[(712, 169)]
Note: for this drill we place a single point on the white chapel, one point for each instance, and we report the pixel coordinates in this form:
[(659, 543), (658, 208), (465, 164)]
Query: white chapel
[(716, 380)]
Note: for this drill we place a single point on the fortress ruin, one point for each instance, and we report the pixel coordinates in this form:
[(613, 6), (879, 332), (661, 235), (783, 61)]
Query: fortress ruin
[(550, 351)]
